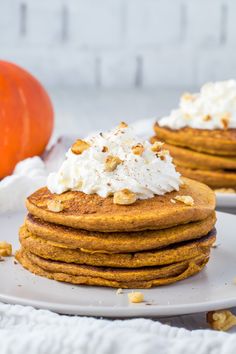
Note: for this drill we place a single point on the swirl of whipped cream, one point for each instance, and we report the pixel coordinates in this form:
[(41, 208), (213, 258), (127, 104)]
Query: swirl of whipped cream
[(145, 174), (214, 107)]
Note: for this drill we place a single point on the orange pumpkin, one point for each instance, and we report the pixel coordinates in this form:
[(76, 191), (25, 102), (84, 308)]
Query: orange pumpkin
[(26, 117)]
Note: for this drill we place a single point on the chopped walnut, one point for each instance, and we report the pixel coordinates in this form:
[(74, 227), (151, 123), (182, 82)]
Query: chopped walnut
[(221, 320), (112, 162), (123, 125), (55, 205), (186, 199), (225, 120), (104, 149), (119, 291), (173, 201), (207, 118), (162, 154), (80, 146), (136, 297), (124, 197), (5, 249), (156, 147), (138, 149)]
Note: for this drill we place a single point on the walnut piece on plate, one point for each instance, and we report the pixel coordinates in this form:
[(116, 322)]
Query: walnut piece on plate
[(136, 297), (221, 320), (5, 249)]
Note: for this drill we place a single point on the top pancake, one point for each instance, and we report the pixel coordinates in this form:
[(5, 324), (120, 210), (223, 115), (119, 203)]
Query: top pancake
[(216, 142), (92, 212)]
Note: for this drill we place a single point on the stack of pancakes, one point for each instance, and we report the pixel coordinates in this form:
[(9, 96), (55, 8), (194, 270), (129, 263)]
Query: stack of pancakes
[(93, 241), (208, 156)]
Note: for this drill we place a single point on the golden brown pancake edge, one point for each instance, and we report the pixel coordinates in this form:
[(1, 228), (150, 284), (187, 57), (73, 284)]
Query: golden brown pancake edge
[(195, 159), (215, 142), (192, 268), (91, 212), (214, 179), (119, 242), (168, 255)]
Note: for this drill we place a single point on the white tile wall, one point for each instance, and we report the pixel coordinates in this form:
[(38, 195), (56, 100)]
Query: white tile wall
[(121, 43), (204, 22), (153, 22)]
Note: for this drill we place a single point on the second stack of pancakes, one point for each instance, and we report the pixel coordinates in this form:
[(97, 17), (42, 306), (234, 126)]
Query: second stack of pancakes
[(207, 156), (201, 135), (90, 240)]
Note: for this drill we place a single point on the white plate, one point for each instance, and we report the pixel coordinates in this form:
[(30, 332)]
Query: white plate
[(227, 200), (212, 289)]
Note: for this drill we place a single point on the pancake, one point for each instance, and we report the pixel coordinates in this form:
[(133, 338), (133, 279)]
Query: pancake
[(215, 142), (117, 278), (193, 159), (118, 241), (172, 254), (92, 212), (214, 179)]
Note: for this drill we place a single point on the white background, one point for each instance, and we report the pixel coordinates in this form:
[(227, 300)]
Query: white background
[(106, 60)]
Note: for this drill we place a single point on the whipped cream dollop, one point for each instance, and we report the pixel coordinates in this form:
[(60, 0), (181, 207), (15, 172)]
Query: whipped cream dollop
[(145, 174), (214, 107)]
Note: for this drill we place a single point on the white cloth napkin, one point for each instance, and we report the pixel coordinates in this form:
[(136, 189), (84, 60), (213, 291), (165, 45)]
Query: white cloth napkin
[(25, 330)]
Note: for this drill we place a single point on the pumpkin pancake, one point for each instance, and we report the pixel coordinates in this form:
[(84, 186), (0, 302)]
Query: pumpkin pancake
[(172, 254), (214, 179), (118, 241), (92, 212), (117, 278), (215, 142), (194, 159)]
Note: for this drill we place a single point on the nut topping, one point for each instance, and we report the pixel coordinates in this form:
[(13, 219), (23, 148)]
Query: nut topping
[(79, 147), (123, 125), (5, 249), (124, 197), (55, 205), (104, 149), (221, 320), (207, 118), (186, 199), (112, 162), (138, 149), (156, 147), (225, 121), (136, 297)]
